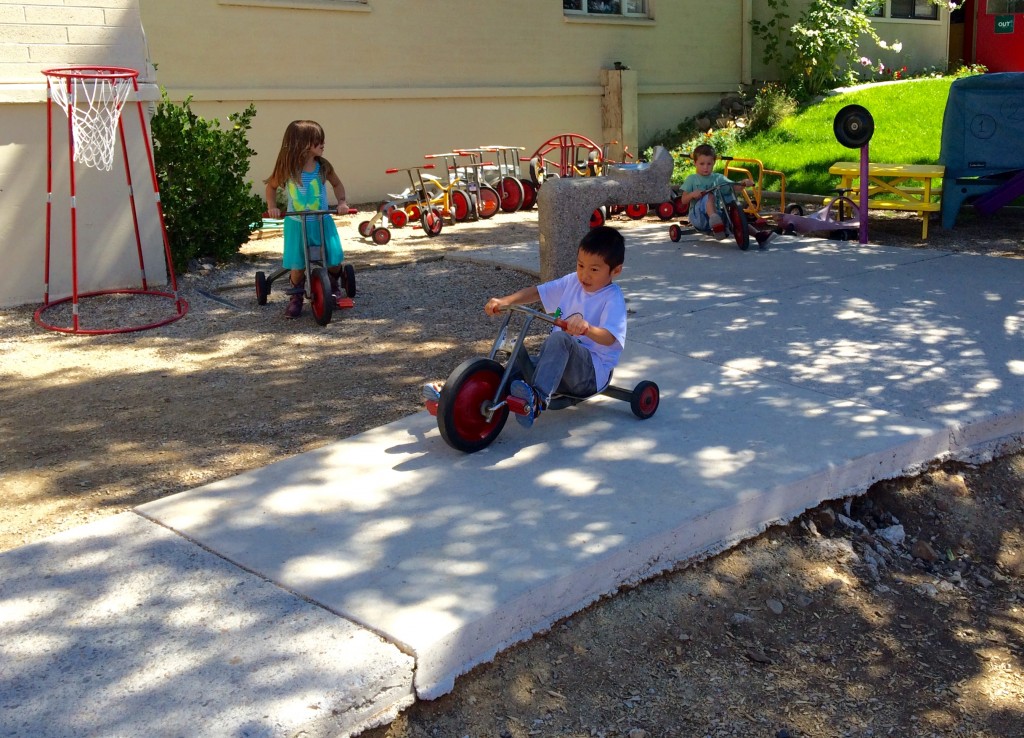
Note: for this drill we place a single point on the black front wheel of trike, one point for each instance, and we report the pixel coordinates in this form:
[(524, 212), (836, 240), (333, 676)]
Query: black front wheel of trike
[(462, 409)]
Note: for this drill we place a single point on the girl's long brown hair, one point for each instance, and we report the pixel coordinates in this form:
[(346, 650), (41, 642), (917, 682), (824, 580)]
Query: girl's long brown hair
[(299, 137)]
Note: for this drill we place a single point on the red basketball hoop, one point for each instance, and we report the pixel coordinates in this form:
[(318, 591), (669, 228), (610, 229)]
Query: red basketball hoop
[(92, 98)]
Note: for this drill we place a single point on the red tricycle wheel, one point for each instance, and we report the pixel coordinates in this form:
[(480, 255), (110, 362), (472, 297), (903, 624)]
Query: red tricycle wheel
[(597, 218), (636, 211), (645, 400), (366, 229), (675, 232), (738, 222), (529, 194), (488, 201), (510, 190), (381, 236), (666, 210), (348, 279), (398, 218), (432, 222), (470, 388), (321, 301), (462, 205)]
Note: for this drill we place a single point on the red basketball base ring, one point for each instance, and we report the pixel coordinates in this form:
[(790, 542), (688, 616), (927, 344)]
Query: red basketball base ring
[(68, 78)]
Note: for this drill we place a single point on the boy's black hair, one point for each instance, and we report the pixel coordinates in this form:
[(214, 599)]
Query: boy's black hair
[(606, 242)]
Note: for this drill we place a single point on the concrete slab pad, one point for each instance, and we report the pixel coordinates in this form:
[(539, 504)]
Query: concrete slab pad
[(940, 339), (456, 557), (122, 628)]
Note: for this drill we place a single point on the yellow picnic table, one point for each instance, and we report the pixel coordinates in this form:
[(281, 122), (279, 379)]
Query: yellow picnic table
[(903, 186)]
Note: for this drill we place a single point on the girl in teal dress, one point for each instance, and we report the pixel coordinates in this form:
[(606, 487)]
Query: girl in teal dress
[(303, 173)]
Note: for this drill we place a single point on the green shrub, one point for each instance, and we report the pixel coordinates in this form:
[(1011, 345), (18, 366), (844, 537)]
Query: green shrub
[(209, 208), (772, 105)]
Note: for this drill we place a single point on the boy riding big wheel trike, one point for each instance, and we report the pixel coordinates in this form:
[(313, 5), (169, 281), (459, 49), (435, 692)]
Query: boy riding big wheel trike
[(733, 217), (317, 285), (473, 404)]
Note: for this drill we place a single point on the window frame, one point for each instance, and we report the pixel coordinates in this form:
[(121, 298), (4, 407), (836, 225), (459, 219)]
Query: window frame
[(886, 13), (644, 14)]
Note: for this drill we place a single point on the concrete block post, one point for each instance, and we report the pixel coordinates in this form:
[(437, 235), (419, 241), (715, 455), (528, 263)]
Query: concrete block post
[(566, 205), (620, 120)]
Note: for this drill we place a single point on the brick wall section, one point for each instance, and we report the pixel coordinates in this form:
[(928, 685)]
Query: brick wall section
[(38, 34)]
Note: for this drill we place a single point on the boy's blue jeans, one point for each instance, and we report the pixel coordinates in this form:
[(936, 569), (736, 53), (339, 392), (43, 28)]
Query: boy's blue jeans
[(565, 366)]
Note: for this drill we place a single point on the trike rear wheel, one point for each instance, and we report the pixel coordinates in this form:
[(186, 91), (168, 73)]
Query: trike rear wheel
[(469, 390), (262, 288), (511, 192), (366, 229), (381, 236), (462, 205), (488, 201), (529, 194), (348, 279), (645, 399), (432, 222), (321, 301)]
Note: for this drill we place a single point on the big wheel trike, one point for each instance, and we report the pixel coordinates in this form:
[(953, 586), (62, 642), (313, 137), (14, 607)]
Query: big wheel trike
[(473, 404), (733, 218), (317, 286)]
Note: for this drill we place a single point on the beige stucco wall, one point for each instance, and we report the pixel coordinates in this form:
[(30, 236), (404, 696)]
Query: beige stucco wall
[(49, 33), (392, 80), (925, 43)]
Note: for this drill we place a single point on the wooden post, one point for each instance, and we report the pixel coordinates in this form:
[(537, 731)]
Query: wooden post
[(619, 117)]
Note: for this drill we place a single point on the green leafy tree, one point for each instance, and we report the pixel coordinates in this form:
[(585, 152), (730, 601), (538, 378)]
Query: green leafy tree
[(209, 208)]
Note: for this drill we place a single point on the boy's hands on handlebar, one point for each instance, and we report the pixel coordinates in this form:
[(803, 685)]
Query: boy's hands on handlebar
[(494, 306), (274, 212), (575, 325)]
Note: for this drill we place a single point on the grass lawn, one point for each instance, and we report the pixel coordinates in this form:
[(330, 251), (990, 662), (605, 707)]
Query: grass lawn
[(908, 129)]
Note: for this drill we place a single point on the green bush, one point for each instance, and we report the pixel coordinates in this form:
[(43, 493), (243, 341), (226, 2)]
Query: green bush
[(209, 208), (772, 105)]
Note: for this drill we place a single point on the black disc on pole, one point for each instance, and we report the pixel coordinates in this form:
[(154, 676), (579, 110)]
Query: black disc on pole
[(853, 126)]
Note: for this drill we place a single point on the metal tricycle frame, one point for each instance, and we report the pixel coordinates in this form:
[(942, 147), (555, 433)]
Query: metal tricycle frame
[(733, 217), (753, 197), (317, 285), (475, 400)]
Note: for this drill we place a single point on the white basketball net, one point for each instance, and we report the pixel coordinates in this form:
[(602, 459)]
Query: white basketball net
[(95, 104)]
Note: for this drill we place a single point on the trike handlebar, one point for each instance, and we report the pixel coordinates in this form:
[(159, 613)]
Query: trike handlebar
[(536, 314)]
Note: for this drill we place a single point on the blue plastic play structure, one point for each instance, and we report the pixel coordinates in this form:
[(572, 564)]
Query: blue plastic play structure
[(983, 144)]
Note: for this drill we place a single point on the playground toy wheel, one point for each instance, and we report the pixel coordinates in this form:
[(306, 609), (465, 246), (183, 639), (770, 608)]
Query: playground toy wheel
[(511, 193), (398, 218), (262, 288), (462, 205), (598, 217), (461, 409), (529, 194), (366, 229), (738, 223), (666, 210), (381, 236), (432, 222), (321, 301), (348, 279), (637, 210), (675, 232), (645, 399), (488, 201)]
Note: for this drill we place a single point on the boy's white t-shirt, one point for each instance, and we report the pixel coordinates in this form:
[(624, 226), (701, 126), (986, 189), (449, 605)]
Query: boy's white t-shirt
[(605, 308)]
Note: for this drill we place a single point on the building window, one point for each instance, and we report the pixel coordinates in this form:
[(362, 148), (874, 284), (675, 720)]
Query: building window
[(623, 8), (917, 9), (995, 7), (913, 9)]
